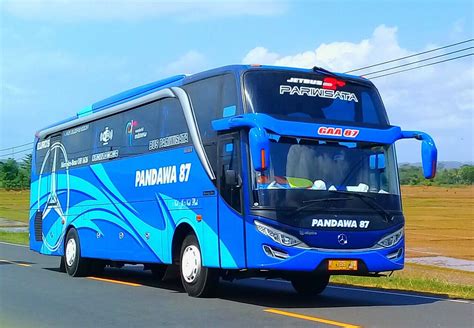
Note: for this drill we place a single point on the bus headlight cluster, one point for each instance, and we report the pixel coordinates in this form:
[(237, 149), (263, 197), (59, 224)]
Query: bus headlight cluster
[(391, 239), (279, 236)]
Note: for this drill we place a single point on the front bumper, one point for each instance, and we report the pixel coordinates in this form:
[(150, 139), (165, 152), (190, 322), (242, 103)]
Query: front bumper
[(299, 259)]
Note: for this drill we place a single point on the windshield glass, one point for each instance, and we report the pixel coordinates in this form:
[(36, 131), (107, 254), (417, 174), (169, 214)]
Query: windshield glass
[(313, 169), (313, 97)]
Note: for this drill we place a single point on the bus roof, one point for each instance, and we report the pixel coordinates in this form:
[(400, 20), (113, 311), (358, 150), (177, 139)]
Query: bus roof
[(179, 80)]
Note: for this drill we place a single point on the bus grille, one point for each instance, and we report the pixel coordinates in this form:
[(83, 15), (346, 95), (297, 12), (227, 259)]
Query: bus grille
[(39, 226)]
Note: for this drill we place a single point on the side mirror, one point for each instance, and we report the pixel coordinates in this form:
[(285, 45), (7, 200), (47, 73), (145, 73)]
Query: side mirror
[(259, 148), (429, 157), (429, 153)]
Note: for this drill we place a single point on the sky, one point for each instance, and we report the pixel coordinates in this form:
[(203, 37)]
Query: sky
[(59, 56)]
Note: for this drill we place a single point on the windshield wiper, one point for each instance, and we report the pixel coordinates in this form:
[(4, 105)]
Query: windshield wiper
[(369, 201), (310, 203)]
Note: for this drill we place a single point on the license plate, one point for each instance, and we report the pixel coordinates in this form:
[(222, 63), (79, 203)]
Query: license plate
[(342, 265)]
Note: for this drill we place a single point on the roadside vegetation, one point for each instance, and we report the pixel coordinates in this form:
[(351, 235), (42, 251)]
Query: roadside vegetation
[(419, 278), (413, 176), (20, 238), (15, 175), (14, 204)]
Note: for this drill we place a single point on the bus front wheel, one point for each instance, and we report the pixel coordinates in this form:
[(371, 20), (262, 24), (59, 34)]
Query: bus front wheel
[(198, 281), (74, 263), (310, 284)]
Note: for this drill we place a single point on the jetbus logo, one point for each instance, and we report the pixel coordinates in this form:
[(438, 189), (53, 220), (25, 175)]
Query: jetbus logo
[(330, 83), (337, 132), (326, 88)]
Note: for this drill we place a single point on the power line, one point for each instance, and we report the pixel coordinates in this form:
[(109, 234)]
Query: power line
[(10, 148), (418, 61), (15, 150), (13, 154), (412, 68), (410, 56)]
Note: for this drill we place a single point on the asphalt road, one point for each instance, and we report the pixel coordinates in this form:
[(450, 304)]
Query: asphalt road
[(35, 294)]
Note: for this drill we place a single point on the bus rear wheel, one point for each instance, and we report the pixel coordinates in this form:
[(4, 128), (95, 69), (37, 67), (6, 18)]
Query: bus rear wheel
[(74, 263), (198, 281), (310, 284)]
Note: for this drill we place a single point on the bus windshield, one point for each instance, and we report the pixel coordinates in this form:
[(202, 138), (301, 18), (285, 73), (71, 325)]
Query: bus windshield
[(313, 97), (322, 168)]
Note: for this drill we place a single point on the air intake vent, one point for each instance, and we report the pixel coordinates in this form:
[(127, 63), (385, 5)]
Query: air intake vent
[(39, 226)]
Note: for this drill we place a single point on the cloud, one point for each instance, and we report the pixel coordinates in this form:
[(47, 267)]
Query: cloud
[(190, 62), (438, 99), (126, 10), (340, 56)]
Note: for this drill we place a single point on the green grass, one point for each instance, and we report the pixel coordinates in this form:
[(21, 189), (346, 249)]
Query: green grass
[(14, 237), (14, 205), (419, 278)]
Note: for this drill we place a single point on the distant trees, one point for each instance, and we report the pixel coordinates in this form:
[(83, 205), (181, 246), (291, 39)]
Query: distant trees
[(412, 175), (14, 175)]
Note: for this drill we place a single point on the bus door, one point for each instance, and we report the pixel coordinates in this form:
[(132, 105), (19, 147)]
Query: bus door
[(230, 209)]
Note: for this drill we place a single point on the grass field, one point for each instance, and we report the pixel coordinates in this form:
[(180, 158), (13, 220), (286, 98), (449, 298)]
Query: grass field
[(14, 205), (14, 237), (439, 221), (421, 278)]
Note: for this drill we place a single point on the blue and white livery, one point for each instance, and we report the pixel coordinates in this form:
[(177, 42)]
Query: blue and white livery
[(234, 172)]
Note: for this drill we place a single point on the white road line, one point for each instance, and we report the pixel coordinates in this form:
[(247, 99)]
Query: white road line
[(3, 242), (381, 292)]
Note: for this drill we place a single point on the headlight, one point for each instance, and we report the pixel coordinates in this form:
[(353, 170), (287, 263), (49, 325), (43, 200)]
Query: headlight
[(279, 236), (391, 239)]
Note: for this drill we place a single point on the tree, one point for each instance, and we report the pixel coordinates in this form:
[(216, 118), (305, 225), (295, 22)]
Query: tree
[(466, 173), (24, 173), (14, 175), (9, 173)]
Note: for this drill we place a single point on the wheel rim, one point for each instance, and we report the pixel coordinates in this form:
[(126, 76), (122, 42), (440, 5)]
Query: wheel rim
[(191, 263), (70, 252)]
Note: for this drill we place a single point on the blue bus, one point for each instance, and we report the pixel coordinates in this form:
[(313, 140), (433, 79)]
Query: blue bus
[(235, 172)]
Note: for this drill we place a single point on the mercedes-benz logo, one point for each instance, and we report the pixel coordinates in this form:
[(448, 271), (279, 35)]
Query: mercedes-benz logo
[(53, 204), (342, 239)]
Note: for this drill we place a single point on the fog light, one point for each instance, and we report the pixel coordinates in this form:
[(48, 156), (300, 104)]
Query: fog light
[(271, 252), (395, 255)]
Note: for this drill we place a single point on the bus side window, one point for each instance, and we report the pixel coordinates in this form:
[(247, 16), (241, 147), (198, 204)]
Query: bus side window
[(171, 120), (212, 98)]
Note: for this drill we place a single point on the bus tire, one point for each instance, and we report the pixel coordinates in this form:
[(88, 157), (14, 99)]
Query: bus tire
[(198, 281), (310, 284), (76, 265)]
